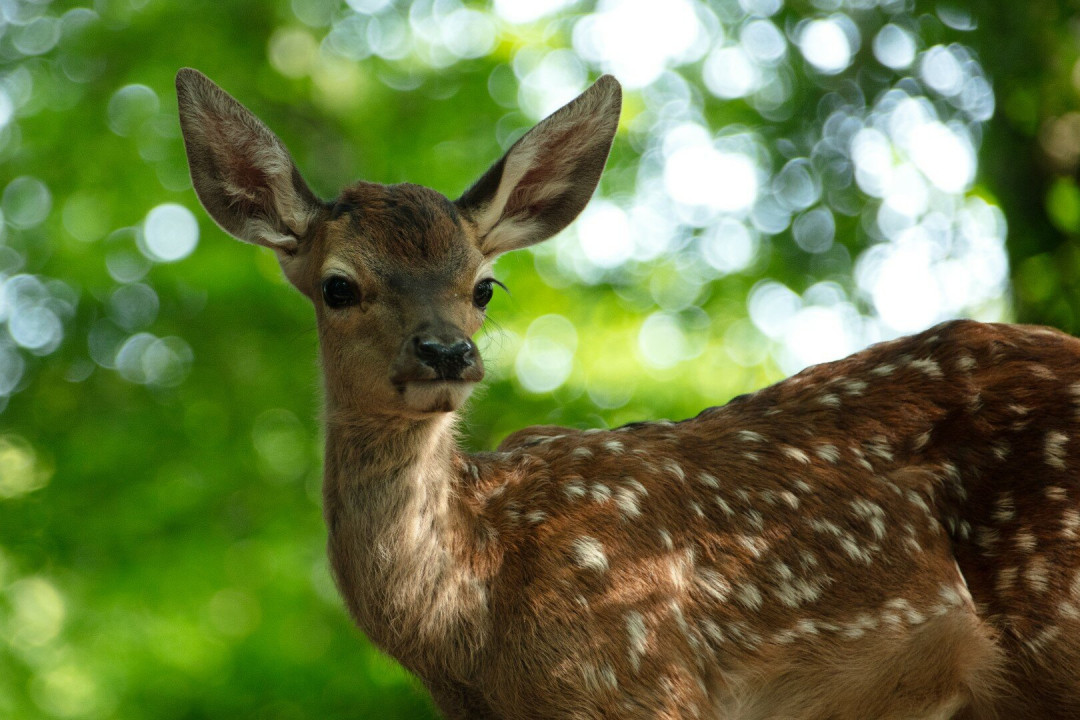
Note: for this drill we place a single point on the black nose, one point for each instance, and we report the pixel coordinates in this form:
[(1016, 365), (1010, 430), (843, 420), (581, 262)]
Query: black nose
[(446, 360)]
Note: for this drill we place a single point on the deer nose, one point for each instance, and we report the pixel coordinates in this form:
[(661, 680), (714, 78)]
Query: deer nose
[(448, 361)]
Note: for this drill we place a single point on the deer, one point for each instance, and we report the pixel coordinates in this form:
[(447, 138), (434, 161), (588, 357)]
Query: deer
[(891, 535)]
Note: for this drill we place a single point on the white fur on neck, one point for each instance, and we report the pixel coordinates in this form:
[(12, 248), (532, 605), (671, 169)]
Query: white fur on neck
[(391, 538)]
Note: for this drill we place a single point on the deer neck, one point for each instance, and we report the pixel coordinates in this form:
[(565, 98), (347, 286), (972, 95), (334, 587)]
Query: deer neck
[(393, 534)]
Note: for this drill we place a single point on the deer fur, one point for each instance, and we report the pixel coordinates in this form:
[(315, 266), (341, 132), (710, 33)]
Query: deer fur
[(892, 535)]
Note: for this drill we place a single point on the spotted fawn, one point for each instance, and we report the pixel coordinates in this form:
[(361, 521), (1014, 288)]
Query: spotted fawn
[(892, 535)]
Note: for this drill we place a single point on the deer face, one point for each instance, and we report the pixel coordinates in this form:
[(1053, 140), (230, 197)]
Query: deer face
[(399, 288), (399, 275)]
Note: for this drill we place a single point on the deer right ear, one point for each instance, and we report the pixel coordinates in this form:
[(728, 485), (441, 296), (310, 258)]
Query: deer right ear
[(242, 173), (546, 178)]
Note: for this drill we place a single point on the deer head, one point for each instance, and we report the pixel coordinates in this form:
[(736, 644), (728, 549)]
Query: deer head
[(399, 275)]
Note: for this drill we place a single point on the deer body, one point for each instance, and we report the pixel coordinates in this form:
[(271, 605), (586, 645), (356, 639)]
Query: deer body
[(893, 535)]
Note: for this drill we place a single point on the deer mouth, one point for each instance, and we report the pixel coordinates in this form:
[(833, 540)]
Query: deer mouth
[(434, 395), (420, 375)]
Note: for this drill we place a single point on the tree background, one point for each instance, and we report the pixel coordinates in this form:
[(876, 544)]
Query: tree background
[(791, 181)]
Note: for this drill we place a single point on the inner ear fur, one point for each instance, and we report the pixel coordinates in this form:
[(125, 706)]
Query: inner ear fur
[(547, 177), (241, 171)]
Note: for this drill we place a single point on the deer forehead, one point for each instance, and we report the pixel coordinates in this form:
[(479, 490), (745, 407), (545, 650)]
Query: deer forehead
[(405, 238)]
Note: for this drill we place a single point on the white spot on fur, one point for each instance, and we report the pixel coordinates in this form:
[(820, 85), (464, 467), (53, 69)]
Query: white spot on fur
[(598, 679), (1025, 541), (637, 635), (575, 488), (750, 436), (1006, 579), (1043, 638), (756, 519), (986, 537), (879, 446), (675, 469), (797, 591), (748, 596), (854, 387), (883, 370), (757, 545), (872, 513), (741, 633), (722, 504), (713, 583), (708, 480), (607, 675), (1037, 575), (785, 637), (917, 500), (802, 486), (581, 452), (782, 570), (954, 479), (1055, 493), (1055, 449), (665, 538), (961, 594), (1070, 523), (628, 503), (927, 366), (1004, 508), (796, 454), (846, 541), (965, 363), (829, 400), (614, 446), (589, 554), (828, 452), (600, 493), (1042, 371), (681, 570), (711, 630), (902, 605)]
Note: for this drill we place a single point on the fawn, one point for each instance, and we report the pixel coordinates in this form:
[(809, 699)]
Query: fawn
[(892, 535)]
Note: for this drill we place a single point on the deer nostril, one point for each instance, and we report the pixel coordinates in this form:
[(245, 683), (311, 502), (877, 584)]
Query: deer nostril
[(428, 351), (463, 349), (446, 360)]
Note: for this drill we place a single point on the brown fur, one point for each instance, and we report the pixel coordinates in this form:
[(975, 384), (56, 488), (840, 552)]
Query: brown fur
[(893, 535)]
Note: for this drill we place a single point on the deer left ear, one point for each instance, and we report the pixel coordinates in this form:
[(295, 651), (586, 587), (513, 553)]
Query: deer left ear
[(242, 173), (548, 176)]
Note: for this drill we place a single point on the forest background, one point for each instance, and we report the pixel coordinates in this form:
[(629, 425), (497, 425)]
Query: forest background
[(791, 181)]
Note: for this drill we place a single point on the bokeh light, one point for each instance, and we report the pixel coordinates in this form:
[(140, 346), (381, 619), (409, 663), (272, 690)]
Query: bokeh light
[(170, 233)]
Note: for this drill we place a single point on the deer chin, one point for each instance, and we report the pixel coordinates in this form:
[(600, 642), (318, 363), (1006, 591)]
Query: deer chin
[(426, 397)]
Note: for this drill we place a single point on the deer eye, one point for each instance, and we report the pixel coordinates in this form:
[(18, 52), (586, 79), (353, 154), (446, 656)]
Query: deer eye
[(339, 292), (482, 293)]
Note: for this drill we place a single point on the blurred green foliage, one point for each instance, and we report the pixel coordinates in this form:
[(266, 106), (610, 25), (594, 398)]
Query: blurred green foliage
[(161, 545)]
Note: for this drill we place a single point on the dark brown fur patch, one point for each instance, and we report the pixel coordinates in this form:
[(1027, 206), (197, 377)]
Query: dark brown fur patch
[(402, 225)]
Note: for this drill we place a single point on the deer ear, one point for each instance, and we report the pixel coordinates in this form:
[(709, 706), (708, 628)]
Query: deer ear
[(242, 173), (546, 178)]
